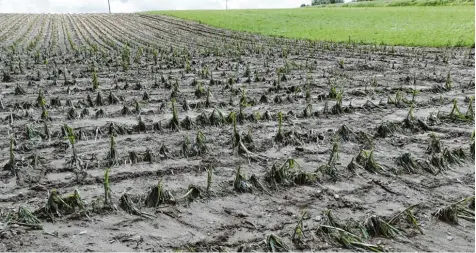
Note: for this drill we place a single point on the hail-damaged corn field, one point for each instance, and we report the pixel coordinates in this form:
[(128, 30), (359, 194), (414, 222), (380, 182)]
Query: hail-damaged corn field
[(133, 132)]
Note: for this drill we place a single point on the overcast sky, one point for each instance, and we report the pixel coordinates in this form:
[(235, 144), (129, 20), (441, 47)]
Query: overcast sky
[(86, 6)]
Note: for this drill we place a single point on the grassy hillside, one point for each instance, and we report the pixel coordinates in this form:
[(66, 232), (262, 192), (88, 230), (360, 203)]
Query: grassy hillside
[(409, 26), (397, 3)]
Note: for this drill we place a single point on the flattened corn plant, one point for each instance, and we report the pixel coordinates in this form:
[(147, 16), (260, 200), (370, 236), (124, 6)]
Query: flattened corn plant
[(275, 244), (289, 173), (125, 110), (186, 147), (345, 134), (25, 218), (193, 192), (164, 152), (463, 209), (333, 231), (129, 206), (19, 90), (330, 167), (149, 156), (376, 226), (307, 111), (408, 216), (367, 161), (140, 127), (76, 203), (457, 115), (298, 235), (133, 157), (200, 146), (408, 162), (112, 99), (57, 206), (216, 118), (386, 129), (435, 145), (241, 184)]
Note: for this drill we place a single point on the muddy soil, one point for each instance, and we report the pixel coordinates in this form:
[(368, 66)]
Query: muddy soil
[(366, 132)]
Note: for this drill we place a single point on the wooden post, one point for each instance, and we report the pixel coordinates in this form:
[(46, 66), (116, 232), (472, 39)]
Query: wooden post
[(109, 4)]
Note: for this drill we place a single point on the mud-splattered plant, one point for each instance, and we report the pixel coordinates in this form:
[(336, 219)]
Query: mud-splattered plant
[(185, 146), (193, 193), (200, 147), (241, 184), (376, 226), (75, 201), (235, 137), (275, 244), (435, 145), (288, 174), (407, 161), (298, 234), (11, 165), (174, 122), (107, 188), (40, 100), (330, 168), (333, 229), (367, 161), (137, 107), (158, 196), (463, 209), (407, 215), (280, 135), (470, 112), (128, 205), (455, 112), (99, 99), (337, 108), (44, 112), (448, 82), (26, 218), (415, 92), (95, 81), (55, 206), (75, 161), (472, 145), (209, 178), (112, 157), (19, 90), (307, 111)]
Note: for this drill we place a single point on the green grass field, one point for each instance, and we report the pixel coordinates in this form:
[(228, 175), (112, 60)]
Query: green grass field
[(433, 26), (390, 3)]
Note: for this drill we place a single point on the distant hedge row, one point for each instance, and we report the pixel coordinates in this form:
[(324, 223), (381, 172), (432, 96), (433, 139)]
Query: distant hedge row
[(319, 2)]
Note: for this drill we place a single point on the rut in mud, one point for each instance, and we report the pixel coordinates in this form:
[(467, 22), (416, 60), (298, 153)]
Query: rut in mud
[(131, 132)]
